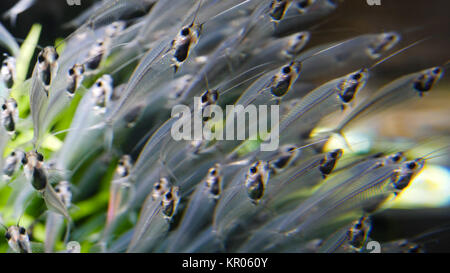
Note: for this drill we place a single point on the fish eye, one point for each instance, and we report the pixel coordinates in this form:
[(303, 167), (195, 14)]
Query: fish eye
[(99, 84), (437, 70), (158, 187), (57, 190), (40, 157), (303, 4), (56, 56), (396, 158), (357, 76), (185, 31), (213, 172), (411, 165), (169, 195), (4, 107), (41, 58), (24, 160), (253, 169), (71, 71), (336, 153), (286, 70), (22, 230), (205, 97), (13, 153), (7, 236)]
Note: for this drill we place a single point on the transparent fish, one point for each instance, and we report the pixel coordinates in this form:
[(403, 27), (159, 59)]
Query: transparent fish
[(399, 90), (18, 240), (10, 115), (8, 71), (36, 173), (12, 163), (74, 78), (350, 55), (153, 223)]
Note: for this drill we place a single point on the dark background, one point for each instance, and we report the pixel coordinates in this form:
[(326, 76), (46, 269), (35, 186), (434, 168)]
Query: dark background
[(414, 19)]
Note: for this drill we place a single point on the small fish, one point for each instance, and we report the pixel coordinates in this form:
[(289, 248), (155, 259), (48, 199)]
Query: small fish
[(402, 246), (121, 188), (348, 88), (401, 89), (213, 181), (357, 234), (8, 70), (34, 170), (209, 97), (12, 163), (200, 209), (160, 188), (328, 163), (64, 193), (382, 43), (10, 115), (95, 55), (47, 66), (75, 77), (101, 92), (284, 158), (278, 9), (169, 202), (350, 239), (344, 57), (256, 180), (114, 28), (18, 239), (36, 173), (303, 5), (283, 80), (427, 79), (124, 166), (296, 44), (322, 101), (183, 43), (402, 177)]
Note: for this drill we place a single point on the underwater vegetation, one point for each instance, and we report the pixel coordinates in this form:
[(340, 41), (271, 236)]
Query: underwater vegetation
[(90, 162)]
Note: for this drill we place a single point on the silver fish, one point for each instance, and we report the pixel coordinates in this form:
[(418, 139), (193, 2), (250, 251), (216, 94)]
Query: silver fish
[(9, 115), (18, 239)]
